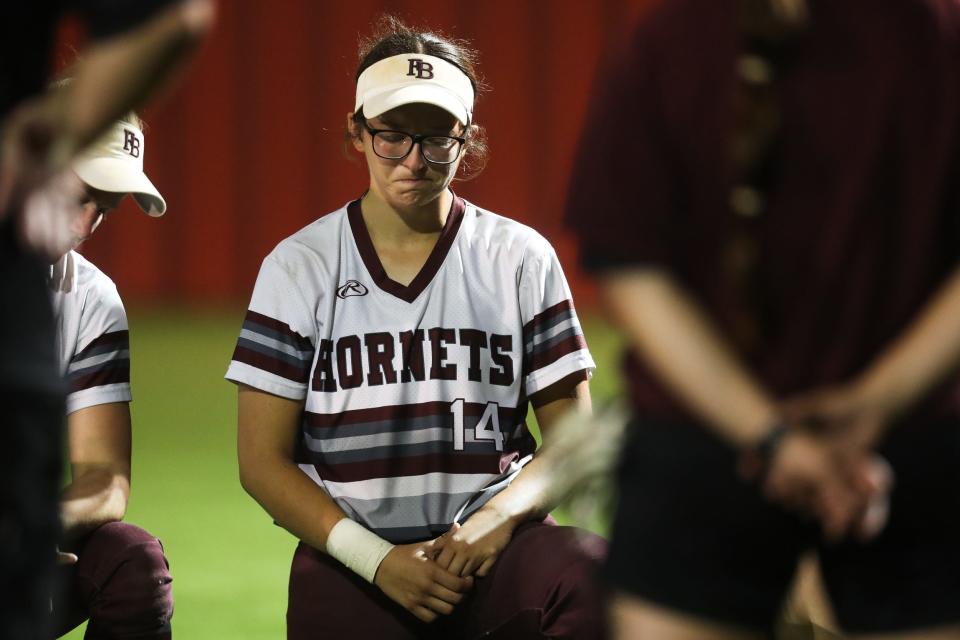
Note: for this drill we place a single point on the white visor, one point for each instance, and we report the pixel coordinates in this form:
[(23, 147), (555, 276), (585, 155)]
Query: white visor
[(414, 77), (114, 163)]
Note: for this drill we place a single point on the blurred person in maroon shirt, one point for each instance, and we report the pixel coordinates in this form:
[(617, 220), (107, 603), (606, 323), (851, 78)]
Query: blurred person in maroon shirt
[(767, 192)]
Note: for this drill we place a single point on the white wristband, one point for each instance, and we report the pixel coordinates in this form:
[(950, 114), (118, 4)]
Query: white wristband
[(357, 548)]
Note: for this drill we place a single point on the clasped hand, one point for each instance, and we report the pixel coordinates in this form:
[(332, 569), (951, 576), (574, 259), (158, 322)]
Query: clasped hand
[(430, 578), (826, 466)]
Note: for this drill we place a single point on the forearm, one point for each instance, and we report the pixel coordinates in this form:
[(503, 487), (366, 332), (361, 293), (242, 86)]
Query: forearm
[(926, 352), (527, 498), (267, 427), (293, 500), (99, 450), (95, 496), (538, 487), (688, 354)]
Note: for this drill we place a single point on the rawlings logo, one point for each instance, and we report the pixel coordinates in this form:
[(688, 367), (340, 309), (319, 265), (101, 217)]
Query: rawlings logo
[(423, 70), (351, 288)]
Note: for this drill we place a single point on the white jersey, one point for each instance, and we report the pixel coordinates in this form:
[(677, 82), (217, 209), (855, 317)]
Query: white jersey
[(415, 396), (92, 339)]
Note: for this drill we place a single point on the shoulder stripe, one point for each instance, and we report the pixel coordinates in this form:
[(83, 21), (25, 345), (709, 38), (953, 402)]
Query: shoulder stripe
[(272, 346), (546, 357), (280, 352), (270, 364), (259, 323), (105, 343), (547, 318), (551, 335), (109, 373), (106, 360)]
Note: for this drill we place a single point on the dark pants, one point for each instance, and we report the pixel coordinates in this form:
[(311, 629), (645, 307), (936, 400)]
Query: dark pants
[(121, 583), (542, 586), (692, 536), (30, 445)]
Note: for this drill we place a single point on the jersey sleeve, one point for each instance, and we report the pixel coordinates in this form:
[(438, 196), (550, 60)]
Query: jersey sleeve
[(553, 342), (99, 370), (275, 350)]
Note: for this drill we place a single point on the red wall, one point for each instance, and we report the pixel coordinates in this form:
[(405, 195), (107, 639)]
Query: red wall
[(248, 147)]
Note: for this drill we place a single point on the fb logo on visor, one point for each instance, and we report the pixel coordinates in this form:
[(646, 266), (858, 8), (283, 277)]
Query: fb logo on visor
[(131, 144), (423, 70)]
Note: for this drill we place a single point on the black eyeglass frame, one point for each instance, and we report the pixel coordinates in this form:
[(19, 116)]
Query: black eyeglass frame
[(101, 211), (416, 139)]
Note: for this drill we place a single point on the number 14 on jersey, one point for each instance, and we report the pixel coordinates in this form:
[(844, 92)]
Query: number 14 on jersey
[(488, 427)]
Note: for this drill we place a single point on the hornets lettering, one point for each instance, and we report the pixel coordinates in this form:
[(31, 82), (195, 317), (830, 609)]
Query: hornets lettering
[(384, 358)]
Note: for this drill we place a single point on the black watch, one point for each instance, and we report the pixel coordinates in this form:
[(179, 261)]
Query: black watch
[(767, 447), (754, 461)]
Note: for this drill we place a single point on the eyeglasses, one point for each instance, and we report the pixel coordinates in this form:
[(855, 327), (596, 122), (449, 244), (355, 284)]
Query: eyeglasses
[(99, 215), (396, 145)]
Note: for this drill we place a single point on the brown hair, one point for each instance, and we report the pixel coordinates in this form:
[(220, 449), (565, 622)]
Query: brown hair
[(391, 37)]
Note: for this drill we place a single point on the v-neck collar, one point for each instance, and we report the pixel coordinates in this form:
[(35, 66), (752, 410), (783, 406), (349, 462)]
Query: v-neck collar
[(429, 269)]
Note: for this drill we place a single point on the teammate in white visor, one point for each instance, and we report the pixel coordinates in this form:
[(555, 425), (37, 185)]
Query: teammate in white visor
[(112, 573)]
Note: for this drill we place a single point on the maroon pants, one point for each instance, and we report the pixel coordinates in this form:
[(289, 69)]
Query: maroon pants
[(542, 586), (121, 583)]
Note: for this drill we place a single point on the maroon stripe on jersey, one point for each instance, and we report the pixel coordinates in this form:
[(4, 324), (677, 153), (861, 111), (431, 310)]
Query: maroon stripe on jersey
[(271, 365), (297, 340), (114, 373), (371, 260), (533, 327), (395, 467), (396, 413), (105, 343), (564, 347)]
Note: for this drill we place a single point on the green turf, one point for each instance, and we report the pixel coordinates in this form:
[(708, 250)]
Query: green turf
[(228, 560)]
